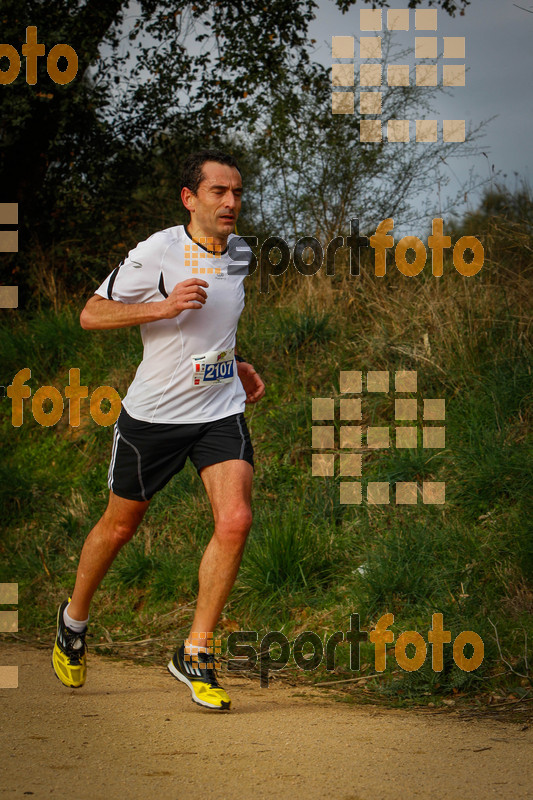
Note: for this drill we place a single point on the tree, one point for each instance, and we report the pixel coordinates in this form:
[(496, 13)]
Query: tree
[(504, 222), (175, 75), (313, 174), (244, 46), (73, 156)]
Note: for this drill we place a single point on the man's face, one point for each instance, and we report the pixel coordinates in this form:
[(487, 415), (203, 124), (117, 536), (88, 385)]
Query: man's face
[(217, 203)]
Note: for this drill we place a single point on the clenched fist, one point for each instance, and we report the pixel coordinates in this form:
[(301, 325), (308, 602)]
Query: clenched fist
[(184, 295)]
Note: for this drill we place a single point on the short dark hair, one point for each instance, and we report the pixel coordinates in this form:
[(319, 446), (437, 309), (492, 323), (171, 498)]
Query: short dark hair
[(191, 173)]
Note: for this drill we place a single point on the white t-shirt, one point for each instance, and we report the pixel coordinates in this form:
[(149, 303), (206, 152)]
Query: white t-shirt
[(166, 387)]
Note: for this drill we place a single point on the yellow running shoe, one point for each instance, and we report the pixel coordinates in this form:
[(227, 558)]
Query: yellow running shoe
[(201, 678), (68, 657)]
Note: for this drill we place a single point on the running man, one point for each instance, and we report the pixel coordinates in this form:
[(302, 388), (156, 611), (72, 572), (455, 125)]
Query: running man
[(186, 400)]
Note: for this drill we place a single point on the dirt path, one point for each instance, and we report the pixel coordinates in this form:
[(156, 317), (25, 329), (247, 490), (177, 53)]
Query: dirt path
[(133, 732)]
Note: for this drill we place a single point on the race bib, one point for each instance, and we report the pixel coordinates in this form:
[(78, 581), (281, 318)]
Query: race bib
[(217, 366)]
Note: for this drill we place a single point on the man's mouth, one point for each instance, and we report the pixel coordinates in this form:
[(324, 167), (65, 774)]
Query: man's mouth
[(227, 217)]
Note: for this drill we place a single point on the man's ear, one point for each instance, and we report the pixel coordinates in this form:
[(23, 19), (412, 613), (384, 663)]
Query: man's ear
[(188, 198)]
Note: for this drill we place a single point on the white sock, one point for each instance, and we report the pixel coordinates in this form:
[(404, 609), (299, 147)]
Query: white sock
[(76, 625), (188, 648)]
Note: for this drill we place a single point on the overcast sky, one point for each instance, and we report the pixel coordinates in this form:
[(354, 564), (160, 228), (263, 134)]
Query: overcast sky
[(499, 62)]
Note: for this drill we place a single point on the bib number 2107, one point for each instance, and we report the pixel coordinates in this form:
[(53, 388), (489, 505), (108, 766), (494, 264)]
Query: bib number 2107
[(213, 367), (219, 371)]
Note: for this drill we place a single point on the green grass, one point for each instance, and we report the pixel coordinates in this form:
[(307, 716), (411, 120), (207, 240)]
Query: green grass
[(289, 554), (310, 562), (304, 330)]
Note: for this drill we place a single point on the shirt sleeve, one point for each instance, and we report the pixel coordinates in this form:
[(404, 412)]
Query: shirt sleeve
[(137, 278)]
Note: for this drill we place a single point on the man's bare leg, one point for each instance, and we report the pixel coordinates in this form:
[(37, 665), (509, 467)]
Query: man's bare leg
[(116, 527), (229, 488)]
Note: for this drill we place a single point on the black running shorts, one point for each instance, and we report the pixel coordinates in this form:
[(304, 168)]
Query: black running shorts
[(146, 455)]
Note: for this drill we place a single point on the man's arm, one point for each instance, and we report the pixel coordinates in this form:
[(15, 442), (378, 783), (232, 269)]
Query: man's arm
[(250, 379), (100, 313)]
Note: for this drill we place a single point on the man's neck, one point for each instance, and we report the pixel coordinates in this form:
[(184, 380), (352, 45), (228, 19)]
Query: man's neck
[(208, 242)]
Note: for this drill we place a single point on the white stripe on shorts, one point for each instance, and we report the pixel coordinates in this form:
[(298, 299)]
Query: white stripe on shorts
[(113, 457), (242, 437)]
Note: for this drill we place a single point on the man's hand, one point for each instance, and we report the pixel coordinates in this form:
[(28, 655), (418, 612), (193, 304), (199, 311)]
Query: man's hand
[(184, 295), (252, 383)]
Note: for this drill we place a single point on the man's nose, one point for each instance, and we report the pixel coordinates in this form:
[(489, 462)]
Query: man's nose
[(230, 200)]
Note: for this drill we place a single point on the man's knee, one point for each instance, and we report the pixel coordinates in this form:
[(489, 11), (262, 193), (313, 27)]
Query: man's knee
[(122, 518), (121, 533), (120, 529), (233, 527)]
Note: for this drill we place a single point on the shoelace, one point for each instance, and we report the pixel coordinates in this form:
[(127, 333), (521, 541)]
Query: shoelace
[(74, 644), (208, 671)]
